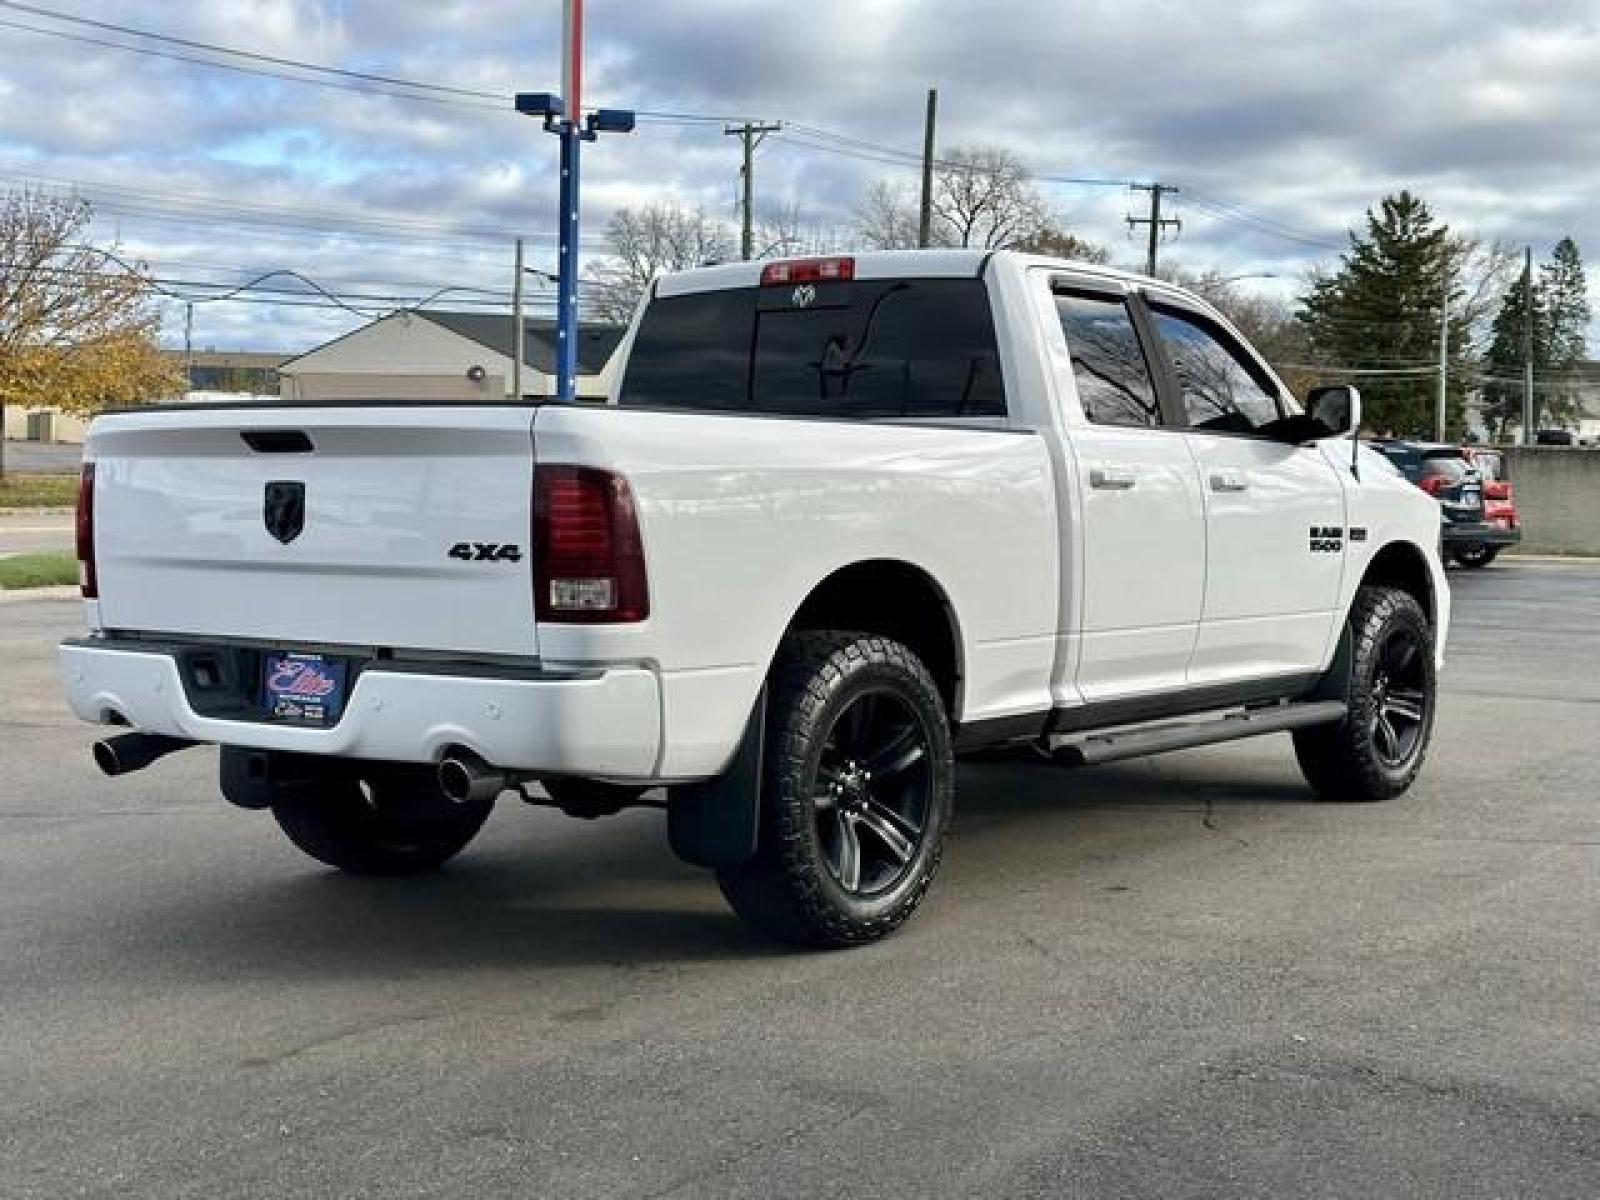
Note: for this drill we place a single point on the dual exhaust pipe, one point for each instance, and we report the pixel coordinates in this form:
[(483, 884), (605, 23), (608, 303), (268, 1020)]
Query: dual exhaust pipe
[(129, 752), (463, 777)]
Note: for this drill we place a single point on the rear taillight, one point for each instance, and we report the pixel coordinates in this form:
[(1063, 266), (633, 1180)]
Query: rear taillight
[(85, 534), (1496, 489), (808, 270), (1432, 484), (588, 561)]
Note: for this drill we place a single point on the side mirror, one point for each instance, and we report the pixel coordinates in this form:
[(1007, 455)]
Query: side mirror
[(1336, 407)]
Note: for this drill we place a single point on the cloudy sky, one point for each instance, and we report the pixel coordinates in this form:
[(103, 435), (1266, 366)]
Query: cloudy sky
[(1280, 122)]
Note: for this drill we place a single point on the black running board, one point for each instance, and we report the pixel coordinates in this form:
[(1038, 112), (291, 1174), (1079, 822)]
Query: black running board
[(1157, 737)]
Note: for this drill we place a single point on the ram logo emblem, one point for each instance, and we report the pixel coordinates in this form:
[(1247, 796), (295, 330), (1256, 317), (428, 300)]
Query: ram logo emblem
[(805, 296), (284, 509)]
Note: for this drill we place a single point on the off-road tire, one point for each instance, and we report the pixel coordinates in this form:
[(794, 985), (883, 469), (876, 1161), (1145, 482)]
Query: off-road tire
[(379, 820), (790, 890), (1347, 761)]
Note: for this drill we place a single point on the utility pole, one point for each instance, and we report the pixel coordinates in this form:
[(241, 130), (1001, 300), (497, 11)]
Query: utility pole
[(925, 224), (752, 134), (1444, 370), (1527, 347), (1155, 220), (518, 333), (188, 346)]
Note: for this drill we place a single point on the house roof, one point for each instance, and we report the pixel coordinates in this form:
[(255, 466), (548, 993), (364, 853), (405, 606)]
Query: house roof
[(494, 330)]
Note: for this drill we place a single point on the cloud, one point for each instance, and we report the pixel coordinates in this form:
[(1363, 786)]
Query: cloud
[(1280, 121)]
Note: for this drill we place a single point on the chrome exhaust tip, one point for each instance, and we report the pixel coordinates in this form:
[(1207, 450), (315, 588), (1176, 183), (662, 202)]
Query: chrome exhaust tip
[(465, 778)]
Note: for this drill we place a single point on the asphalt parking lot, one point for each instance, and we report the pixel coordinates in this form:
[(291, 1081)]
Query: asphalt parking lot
[(1174, 977)]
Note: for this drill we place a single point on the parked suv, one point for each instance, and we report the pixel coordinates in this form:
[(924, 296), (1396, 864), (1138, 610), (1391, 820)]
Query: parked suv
[(1460, 486)]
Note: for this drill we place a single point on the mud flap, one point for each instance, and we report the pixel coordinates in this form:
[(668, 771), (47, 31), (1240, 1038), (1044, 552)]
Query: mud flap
[(1335, 683), (715, 823)]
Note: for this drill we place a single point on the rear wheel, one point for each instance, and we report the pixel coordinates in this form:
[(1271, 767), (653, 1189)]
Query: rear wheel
[(1377, 750), (857, 782), (379, 820), (1475, 556)]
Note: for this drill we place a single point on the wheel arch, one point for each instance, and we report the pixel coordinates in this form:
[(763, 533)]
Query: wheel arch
[(896, 599), (1403, 565)]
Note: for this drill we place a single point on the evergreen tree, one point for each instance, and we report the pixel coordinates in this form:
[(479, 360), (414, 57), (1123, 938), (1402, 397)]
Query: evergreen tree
[(1566, 301), (1503, 364), (1381, 311), (1561, 314)]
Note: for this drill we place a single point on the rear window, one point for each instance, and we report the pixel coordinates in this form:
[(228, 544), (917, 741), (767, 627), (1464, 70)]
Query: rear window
[(861, 350), (1407, 462), (1445, 467)]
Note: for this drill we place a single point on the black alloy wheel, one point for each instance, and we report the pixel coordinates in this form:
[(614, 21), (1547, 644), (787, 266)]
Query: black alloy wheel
[(872, 792), (1376, 751), (858, 777), (1400, 698)]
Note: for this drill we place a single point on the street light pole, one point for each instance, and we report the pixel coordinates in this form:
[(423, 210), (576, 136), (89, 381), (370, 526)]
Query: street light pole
[(1444, 372), (567, 253), (563, 116)]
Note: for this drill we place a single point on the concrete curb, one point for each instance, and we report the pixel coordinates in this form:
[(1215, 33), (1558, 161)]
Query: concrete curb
[(37, 512), (1570, 560), (61, 592)]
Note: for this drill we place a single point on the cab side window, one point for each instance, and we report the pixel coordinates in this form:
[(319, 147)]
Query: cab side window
[(1223, 391), (1113, 377)]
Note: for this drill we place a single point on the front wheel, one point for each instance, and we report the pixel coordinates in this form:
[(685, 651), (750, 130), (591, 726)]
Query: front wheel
[(1476, 556), (858, 776), (1377, 750), (379, 820)]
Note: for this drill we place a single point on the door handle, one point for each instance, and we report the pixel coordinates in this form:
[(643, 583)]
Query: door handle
[(1229, 481), (1111, 479)]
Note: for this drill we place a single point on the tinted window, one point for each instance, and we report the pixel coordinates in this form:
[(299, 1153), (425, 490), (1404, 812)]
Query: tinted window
[(895, 348), (692, 352), (1446, 467), (1113, 377), (1407, 462), (1221, 388)]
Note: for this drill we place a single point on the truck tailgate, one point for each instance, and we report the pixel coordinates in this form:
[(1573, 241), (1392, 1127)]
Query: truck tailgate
[(196, 530)]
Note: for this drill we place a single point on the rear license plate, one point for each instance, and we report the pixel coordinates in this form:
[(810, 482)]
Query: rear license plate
[(1471, 497), (304, 688)]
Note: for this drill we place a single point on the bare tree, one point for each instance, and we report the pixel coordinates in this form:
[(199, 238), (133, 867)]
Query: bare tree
[(886, 217), (984, 196), (77, 328), (1058, 243), (1481, 271), (786, 231), (643, 242)]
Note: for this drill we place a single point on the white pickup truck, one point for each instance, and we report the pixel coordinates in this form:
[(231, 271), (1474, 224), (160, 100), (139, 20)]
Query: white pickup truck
[(842, 520)]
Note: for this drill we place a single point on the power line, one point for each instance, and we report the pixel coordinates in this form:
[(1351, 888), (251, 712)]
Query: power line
[(1228, 211), (239, 68), (274, 60), (191, 206)]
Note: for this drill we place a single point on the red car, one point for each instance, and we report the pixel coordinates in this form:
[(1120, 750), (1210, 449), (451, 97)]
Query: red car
[(1499, 506)]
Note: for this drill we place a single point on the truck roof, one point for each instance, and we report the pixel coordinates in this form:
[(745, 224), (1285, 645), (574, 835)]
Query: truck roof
[(889, 264)]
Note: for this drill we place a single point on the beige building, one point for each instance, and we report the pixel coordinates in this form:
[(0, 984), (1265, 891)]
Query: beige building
[(427, 355)]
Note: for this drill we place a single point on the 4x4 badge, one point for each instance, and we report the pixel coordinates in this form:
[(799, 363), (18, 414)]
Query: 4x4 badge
[(284, 509)]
